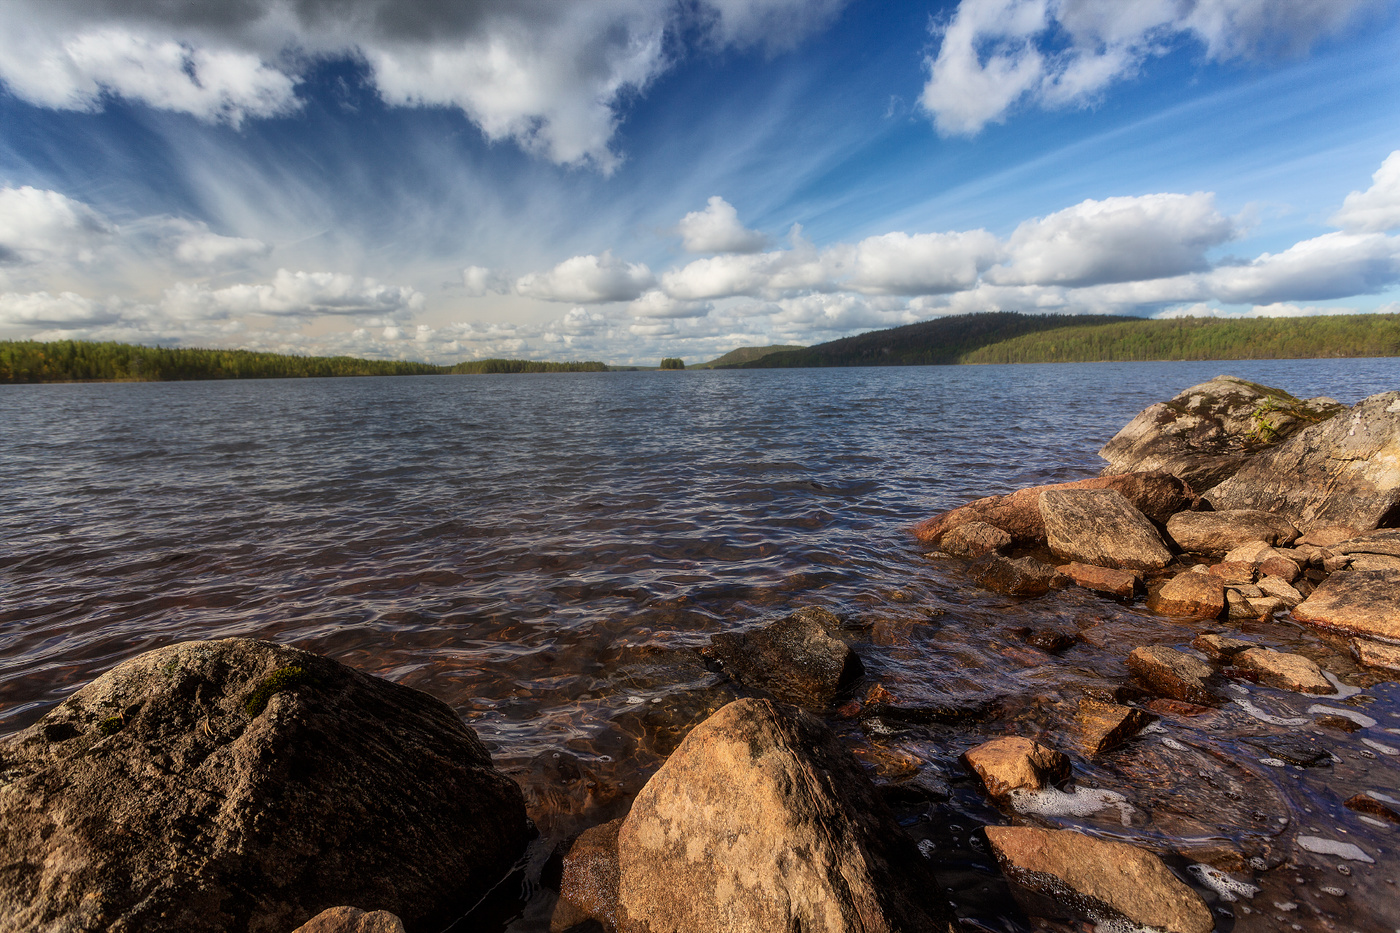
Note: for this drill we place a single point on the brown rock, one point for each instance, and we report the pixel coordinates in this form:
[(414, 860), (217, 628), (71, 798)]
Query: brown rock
[(1373, 562), (1327, 535), (238, 784), (1170, 673), (1014, 763), (1116, 881), (1103, 726), (760, 820), (1220, 647), (1280, 568), (1021, 576), (1236, 572), (1251, 552), (588, 889), (798, 659), (351, 920), (1120, 583), (1237, 605), (1280, 589), (1266, 607), (1206, 433), (1281, 669), (1374, 654), (1345, 470), (1164, 707), (974, 539), (1156, 495), (1190, 595), (1331, 565), (1365, 803), (1101, 527), (1219, 532)]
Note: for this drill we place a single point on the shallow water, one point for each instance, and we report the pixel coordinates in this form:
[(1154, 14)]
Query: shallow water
[(543, 552)]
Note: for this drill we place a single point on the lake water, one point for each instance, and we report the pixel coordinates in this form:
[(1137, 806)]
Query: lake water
[(542, 552)]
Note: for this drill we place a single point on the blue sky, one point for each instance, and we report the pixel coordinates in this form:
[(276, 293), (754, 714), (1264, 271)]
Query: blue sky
[(629, 179)]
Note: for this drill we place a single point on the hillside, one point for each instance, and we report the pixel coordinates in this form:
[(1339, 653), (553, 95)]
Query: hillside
[(745, 355)]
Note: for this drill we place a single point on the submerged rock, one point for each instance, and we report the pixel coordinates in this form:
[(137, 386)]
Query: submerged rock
[(1016, 763), (1113, 881), (1374, 654), (1101, 527), (798, 659), (1219, 532), (1356, 601), (1207, 433), (762, 821), (1171, 673), (1104, 726), (974, 539), (1020, 576), (1343, 471), (1120, 583), (588, 887), (1190, 595), (1282, 669), (242, 785)]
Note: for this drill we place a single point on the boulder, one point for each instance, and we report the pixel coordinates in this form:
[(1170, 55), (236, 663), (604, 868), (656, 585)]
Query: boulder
[(1342, 471), (242, 785), (588, 887), (1385, 541), (1120, 583), (1190, 595), (351, 920), (1282, 669), (1280, 568), (1357, 602), (798, 659), (1374, 654), (1171, 673), (1019, 576), (1373, 562), (1327, 535), (1206, 433), (1100, 526), (1236, 573), (1252, 552), (1103, 726), (974, 539), (1266, 607), (1220, 647), (1281, 590), (1219, 532), (761, 820), (1016, 763), (1112, 882), (1156, 495)]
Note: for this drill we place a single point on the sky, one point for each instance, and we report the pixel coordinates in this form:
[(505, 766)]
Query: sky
[(625, 180)]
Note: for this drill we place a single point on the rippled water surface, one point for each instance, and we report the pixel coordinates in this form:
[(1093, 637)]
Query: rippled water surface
[(545, 552)]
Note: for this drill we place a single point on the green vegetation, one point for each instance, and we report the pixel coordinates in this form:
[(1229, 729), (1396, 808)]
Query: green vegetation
[(744, 355), (88, 361), (293, 675), (110, 726), (1008, 337), (672, 362)]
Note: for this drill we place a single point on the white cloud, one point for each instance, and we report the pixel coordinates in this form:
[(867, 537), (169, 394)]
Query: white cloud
[(66, 310), (197, 245), (588, 280), (1377, 209), (36, 225), (919, 264), (1115, 240), (479, 280), (716, 229), (1334, 265), (293, 294), (658, 304), (776, 24), (994, 54)]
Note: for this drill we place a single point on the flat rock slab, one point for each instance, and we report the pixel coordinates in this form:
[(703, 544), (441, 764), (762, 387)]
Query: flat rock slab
[(1101, 527), (242, 785), (761, 820), (352, 920), (1120, 583), (1345, 470), (1284, 670), (1383, 541), (1117, 881), (1104, 726), (1171, 673), (798, 659), (974, 539), (1019, 576), (1219, 532), (1220, 647), (1156, 495), (588, 887), (1190, 595), (1301, 750), (1016, 763), (1280, 589), (1374, 654), (1356, 601)]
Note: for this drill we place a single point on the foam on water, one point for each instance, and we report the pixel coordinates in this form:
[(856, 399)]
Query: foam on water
[(1346, 850), (1081, 801), (1361, 719), (1262, 716), (1383, 749), (1222, 884)]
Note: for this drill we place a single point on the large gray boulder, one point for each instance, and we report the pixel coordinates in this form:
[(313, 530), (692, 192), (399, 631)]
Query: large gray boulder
[(1101, 527), (1206, 433), (1343, 471), (1219, 532), (760, 820), (239, 785)]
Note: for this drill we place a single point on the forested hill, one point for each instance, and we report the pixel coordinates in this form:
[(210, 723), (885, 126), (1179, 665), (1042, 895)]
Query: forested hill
[(1009, 337), (88, 361)]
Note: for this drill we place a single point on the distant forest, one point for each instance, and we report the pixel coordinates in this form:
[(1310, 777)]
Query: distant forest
[(88, 361), (1009, 337)]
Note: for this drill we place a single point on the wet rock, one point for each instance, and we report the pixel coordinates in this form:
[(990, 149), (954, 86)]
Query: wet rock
[(1120, 583), (1020, 576), (1327, 535), (883, 704), (1281, 590), (1103, 726), (1219, 532), (1101, 527), (1049, 639), (242, 785), (1374, 654), (1190, 595), (1156, 495), (1165, 707), (974, 539), (1116, 881), (762, 821), (1345, 470), (1280, 568), (1365, 803), (588, 888), (1301, 750), (1220, 647), (798, 659), (351, 920), (1206, 433), (1171, 673), (1266, 607), (1014, 763), (1234, 572), (1286, 671), (1237, 605)]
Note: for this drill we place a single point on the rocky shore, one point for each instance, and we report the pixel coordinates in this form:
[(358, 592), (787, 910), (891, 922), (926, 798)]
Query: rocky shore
[(240, 785)]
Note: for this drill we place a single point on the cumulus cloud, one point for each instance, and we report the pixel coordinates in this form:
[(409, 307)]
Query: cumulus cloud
[(64, 310), (1334, 265), (717, 229), (658, 304), (36, 225), (1115, 240), (994, 54), (479, 281), (198, 246), (294, 294), (918, 264), (1377, 209), (588, 280)]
